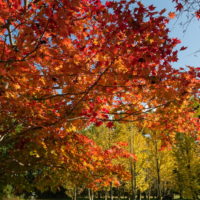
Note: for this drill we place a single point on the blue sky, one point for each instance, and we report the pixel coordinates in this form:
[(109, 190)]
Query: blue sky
[(191, 38)]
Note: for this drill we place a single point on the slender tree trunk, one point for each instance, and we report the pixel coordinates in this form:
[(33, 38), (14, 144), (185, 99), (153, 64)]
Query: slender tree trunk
[(132, 181), (145, 196), (132, 167), (181, 195), (158, 181), (106, 195), (139, 195), (93, 195), (99, 195), (75, 194), (89, 194), (158, 172), (124, 195), (149, 194), (111, 192), (119, 193), (194, 197)]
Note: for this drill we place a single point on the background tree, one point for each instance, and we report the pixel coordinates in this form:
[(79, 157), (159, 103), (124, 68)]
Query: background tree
[(161, 165), (186, 170)]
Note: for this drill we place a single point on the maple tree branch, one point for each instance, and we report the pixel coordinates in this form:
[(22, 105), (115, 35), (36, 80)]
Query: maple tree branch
[(9, 61), (91, 87), (25, 5), (38, 42), (58, 95), (123, 86), (117, 120), (75, 118), (2, 137), (35, 128), (10, 34), (20, 163), (139, 112), (7, 131)]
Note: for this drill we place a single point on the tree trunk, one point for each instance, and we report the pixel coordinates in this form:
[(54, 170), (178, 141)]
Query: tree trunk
[(139, 195), (111, 192), (119, 193), (132, 167), (93, 195), (89, 194), (158, 172), (106, 195), (99, 195), (181, 195), (149, 194), (75, 194), (145, 196)]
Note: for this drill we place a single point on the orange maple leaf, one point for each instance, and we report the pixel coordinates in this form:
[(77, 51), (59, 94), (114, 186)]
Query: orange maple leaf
[(171, 15)]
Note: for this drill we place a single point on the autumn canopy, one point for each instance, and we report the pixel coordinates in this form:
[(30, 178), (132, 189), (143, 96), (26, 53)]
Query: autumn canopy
[(65, 65)]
